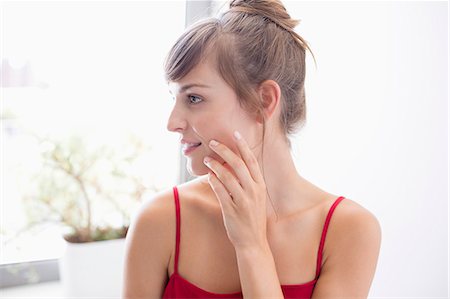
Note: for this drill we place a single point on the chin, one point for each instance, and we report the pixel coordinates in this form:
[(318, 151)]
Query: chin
[(197, 170)]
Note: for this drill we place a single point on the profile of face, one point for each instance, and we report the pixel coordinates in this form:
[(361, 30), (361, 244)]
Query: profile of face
[(205, 108)]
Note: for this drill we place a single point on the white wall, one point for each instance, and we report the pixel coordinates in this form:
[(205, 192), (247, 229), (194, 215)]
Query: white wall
[(377, 129)]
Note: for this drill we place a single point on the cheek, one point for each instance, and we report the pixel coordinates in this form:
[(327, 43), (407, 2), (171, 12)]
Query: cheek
[(220, 132), (213, 127), (220, 125)]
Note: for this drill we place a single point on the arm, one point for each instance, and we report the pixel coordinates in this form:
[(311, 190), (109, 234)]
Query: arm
[(241, 191), (351, 257), (148, 250), (258, 274)]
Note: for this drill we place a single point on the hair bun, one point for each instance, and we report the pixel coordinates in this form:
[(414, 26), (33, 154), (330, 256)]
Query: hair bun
[(273, 10)]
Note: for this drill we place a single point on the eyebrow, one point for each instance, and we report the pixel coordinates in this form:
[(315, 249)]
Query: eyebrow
[(187, 86)]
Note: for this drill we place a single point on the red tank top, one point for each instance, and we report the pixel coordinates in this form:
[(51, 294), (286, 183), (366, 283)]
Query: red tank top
[(179, 287)]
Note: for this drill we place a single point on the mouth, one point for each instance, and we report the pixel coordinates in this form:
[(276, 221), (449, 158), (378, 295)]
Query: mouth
[(190, 147)]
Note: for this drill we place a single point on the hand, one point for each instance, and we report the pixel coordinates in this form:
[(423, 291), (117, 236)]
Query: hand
[(242, 196)]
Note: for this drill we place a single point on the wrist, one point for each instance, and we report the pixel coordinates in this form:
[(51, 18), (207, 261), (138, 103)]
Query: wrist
[(263, 248)]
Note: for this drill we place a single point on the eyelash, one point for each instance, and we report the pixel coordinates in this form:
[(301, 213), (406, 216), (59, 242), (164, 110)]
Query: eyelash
[(193, 96)]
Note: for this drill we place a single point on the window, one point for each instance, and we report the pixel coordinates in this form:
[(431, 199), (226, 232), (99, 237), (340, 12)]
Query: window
[(86, 77)]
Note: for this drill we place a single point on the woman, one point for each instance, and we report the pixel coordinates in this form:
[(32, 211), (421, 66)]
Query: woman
[(249, 226)]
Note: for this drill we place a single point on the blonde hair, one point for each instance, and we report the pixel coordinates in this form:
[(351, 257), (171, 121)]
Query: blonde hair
[(251, 42)]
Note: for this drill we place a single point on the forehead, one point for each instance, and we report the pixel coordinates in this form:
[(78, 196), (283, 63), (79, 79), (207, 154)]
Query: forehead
[(203, 75)]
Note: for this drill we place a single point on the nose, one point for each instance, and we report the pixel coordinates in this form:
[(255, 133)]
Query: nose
[(176, 122)]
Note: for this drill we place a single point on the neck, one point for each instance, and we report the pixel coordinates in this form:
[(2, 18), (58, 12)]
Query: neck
[(287, 191), (283, 182)]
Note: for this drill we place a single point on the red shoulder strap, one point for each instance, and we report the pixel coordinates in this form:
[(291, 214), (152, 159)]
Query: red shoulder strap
[(177, 240), (324, 234)]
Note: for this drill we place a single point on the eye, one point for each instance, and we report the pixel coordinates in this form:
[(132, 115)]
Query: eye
[(194, 99)]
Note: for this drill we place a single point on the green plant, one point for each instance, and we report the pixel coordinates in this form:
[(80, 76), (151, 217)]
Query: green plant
[(90, 190)]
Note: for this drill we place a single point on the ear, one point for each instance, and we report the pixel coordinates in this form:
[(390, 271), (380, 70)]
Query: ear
[(270, 94)]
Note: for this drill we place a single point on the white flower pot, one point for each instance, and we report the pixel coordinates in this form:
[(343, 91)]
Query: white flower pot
[(94, 269)]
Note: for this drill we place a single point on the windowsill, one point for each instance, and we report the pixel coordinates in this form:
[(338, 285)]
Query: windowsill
[(52, 289)]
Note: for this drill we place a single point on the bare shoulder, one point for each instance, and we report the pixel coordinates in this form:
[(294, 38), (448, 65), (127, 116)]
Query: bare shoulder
[(351, 252), (155, 215), (350, 217), (351, 222), (160, 202), (148, 246)]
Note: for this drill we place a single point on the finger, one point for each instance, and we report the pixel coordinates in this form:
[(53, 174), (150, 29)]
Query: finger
[(249, 158), (226, 202), (227, 179), (234, 162)]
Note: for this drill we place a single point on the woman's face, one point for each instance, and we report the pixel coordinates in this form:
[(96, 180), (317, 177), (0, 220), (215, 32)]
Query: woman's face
[(206, 108)]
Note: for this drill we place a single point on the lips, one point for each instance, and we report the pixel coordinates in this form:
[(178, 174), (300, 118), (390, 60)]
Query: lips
[(186, 141), (188, 148), (191, 145)]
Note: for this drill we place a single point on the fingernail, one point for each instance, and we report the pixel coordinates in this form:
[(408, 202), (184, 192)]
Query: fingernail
[(237, 135), (206, 160), (213, 143)]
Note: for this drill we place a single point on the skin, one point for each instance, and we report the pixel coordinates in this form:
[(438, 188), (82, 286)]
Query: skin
[(248, 241)]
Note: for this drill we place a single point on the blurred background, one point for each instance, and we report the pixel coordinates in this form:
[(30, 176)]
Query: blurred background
[(84, 108)]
